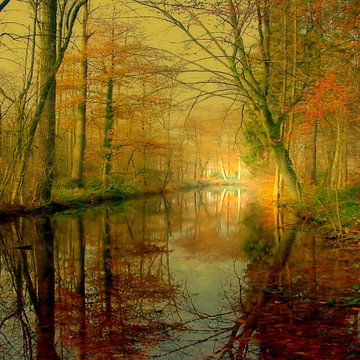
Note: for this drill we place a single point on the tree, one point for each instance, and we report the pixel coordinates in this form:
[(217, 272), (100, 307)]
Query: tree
[(245, 64), (47, 122), (19, 163), (328, 39), (128, 85), (77, 173)]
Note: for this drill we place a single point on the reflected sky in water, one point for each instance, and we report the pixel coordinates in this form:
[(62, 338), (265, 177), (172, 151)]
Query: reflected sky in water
[(203, 274)]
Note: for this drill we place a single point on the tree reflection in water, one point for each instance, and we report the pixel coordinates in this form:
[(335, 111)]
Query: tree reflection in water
[(111, 296), (284, 310), (141, 281), (127, 291), (30, 268)]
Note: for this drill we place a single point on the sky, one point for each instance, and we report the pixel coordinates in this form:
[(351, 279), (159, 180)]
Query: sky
[(16, 18)]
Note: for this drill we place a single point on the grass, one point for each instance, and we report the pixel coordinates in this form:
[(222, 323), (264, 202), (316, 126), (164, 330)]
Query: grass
[(91, 193), (67, 196), (337, 212)]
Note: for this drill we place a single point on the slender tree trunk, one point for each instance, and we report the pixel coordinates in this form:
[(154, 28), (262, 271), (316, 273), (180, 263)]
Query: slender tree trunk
[(47, 123), (239, 167), (109, 121), (195, 168), (346, 154), (314, 154), (279, 183), (294, 78), (223, 172), (77, 172), (109, 112), (168, 171), (181, 166), (336, 166)]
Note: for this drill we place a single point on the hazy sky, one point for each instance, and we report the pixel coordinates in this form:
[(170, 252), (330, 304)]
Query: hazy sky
[(16, 18)]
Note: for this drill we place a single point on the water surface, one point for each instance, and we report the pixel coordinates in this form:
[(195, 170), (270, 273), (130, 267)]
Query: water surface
[(205, 274)]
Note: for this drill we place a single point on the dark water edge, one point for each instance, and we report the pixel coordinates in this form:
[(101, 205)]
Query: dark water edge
[(98, 197), (208, 274)]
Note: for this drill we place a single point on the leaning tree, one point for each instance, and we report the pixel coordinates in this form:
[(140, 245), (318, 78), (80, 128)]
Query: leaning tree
[(232, 44)]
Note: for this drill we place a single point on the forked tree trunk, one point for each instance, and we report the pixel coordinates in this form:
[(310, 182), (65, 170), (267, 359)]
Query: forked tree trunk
[(281, 155)]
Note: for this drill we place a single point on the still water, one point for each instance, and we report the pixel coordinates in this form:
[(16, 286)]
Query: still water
[(199, 275)]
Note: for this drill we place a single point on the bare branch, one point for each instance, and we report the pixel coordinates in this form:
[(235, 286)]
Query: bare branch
[(3, 4)]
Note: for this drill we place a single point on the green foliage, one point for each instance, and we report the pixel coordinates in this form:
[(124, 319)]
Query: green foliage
[(255, 146), (252, 157), (349, 300), (353, 300), (94, 184), (337, 211), (331, 302), (91, 192)]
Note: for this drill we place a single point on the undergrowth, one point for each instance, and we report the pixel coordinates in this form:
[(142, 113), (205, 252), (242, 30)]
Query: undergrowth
[(92, 191), (336, 211)]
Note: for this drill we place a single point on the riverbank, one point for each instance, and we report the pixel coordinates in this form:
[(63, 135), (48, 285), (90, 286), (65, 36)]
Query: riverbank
[(73, 198), (334, 212)]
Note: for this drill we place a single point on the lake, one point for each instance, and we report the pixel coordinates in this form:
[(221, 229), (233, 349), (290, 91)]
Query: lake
[(207, 274)]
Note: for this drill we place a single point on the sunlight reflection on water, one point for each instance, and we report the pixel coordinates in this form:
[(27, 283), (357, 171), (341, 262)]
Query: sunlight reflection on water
[(203, 274)]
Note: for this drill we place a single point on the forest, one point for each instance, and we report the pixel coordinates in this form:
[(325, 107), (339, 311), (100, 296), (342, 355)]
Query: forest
[(89, 101), (179, 179)]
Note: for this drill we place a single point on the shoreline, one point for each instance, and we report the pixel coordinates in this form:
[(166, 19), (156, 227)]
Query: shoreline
[(9, 212)]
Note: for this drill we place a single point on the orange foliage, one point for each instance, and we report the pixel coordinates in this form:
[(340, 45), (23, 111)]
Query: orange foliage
[(326, 96), (71, 101)]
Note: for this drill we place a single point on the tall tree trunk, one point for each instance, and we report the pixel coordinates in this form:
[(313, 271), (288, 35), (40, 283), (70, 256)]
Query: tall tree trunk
[(21, 161), (47, 123), (109, 112), (278, 183), (77, 173), (261, 104), (109, 121)]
